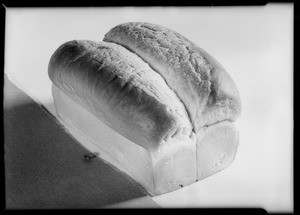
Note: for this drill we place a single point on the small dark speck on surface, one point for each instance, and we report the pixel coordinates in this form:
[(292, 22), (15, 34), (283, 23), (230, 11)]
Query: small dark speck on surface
[(90, 156)]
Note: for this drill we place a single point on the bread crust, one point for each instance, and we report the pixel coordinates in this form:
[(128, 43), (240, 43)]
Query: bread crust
[(119, 89), (201, 83)]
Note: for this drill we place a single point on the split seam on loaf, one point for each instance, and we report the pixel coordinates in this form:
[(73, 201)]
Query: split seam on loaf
[(155, 70)]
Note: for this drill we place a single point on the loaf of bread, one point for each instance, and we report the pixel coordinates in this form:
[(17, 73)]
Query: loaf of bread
[(169, 106)]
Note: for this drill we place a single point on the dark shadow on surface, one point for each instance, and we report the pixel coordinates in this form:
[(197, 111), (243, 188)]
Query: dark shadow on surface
[(45, 167)]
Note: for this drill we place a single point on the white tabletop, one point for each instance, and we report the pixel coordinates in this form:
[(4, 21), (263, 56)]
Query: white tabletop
[(254, 44)]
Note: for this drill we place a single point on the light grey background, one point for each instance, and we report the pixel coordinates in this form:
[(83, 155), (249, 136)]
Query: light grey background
[(254, 44)]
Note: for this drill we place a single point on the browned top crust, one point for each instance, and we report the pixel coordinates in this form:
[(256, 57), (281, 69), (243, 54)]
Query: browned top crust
[(120, 89)]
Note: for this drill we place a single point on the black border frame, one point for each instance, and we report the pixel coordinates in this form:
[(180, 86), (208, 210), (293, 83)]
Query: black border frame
[(94, 3)]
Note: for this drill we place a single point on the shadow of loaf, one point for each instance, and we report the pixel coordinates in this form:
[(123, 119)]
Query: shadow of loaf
[(45, 167), (168, 105)]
